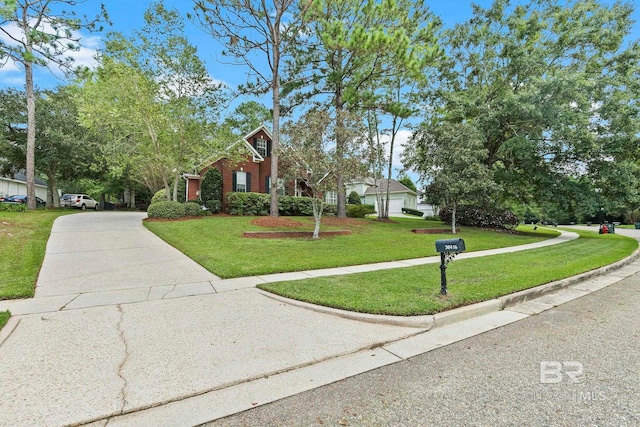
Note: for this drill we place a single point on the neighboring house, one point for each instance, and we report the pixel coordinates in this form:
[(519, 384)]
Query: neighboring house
[(17, 185), (399, 195), (250, 175)]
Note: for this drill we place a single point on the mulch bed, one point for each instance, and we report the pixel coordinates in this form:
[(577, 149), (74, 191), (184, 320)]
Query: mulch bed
[(269, 222), (430, 230), (291, 234)]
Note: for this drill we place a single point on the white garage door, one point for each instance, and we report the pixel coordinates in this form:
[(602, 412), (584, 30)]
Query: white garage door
[(395, 205)]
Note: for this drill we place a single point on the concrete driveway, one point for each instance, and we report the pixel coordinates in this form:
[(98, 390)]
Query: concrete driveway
[(126, 330)]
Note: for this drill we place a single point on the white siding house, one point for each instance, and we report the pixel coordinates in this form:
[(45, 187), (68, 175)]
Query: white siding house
[(17, 185), (399, 195)]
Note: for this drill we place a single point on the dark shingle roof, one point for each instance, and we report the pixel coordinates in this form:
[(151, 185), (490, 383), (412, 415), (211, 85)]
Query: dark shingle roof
[(394, 187), (22, 177)]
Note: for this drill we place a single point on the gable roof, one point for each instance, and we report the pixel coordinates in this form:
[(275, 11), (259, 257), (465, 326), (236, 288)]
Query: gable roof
[(21, 176), (394, 186), (245, 140)]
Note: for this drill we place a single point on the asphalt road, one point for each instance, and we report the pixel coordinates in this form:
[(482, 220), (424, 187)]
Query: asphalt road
[(505, 377)]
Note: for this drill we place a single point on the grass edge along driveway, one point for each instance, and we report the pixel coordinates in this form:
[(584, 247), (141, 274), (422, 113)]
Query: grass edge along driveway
[(23, 241), (216, 243), (4, 318), (416, 290)]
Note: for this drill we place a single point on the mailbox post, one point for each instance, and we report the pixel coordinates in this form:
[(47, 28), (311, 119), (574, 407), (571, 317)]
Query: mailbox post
[(448, 249)]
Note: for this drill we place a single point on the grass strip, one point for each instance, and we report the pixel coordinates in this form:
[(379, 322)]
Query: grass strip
[(23, 240), (4, 318), (416, 290), (217, 244)]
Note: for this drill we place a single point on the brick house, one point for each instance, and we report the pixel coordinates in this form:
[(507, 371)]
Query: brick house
[(250, 175)]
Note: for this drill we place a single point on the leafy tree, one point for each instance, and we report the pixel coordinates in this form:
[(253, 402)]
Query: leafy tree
[(357, 46), (247, 117), (44, 38), (407, 182), (154, 97), (545, 85), (251, 28), (64, 152), (453, 160), (309, 155)]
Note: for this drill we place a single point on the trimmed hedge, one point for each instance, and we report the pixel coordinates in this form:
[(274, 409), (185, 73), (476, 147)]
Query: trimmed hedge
[(214, 206), (192, 209), (360, 211), (259, 204), (248, 203), (410, 211), (169, 210), (473, 216)]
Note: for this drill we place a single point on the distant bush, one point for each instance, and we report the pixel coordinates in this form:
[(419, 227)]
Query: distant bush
[(169, 210), (330, 209), (410, 211), (248, 203), (159, 196), (473, 216), (214, 206), (13, 207), (295, 206), (192, 209), (354, 198), (360, 211)]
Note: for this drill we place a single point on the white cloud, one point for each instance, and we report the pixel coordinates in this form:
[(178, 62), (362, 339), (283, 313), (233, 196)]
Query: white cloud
[(84, 56)]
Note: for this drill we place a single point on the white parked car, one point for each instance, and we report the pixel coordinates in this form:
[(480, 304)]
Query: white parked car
[(81, 201)]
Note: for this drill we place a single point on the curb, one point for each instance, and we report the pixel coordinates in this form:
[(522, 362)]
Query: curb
[(432, 321)]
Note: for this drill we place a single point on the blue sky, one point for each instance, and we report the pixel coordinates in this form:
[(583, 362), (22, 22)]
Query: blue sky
[(127, 15)]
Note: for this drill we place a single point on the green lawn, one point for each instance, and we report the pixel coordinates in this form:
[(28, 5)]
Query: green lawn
[(4, 318), (416, 290), (217, 244), (23, 239)]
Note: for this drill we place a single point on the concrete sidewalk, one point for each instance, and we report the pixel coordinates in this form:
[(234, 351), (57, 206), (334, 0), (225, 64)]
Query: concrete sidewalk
[(107, 344)]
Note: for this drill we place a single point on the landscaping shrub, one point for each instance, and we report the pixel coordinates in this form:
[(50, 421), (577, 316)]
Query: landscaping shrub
[(170, 210), (214, 206), (359, 211), (13, 207), (192, 209), (330, 209), (295, 206), (248, 203), (354, 198), (159, 196), (211, 186), (473, 216), (410, 211)]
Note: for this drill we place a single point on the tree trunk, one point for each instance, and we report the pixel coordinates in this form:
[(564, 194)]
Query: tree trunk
[(341, 190), (175, 187), (275, 141), (390, 168), (31, 135), (53, 199), (453, 218), (317, 214)]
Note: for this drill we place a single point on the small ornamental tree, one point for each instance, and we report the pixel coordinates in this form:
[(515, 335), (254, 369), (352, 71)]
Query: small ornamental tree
[(308, 155)]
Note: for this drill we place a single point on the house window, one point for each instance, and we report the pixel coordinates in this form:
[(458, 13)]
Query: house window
[(267, 184), (241, 182), (331, 197), (261, 147)]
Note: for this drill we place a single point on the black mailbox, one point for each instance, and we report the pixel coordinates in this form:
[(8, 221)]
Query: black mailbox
[(448, 249), (450, 246)]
